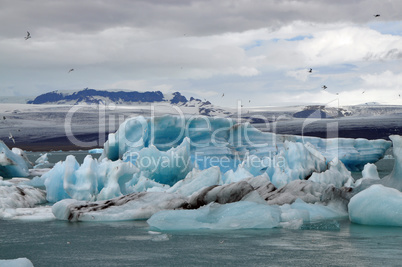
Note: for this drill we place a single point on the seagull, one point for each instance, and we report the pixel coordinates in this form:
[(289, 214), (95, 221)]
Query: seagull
[(324, 87), (376, 15), (310, 70), (70, 70), (12, 138), (28, 36)]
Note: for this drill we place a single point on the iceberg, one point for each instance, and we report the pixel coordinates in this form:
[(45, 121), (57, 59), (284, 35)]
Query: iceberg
[(42, 162), (20, 262), (393, 180), (166, 167), (13, 163), (238, 215), (336, 175), (377, 205), (20, 196), (93, 180), (215, 139), (135, 206)]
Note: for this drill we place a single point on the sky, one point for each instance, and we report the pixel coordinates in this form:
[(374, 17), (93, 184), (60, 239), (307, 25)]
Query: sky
[(255, 51)]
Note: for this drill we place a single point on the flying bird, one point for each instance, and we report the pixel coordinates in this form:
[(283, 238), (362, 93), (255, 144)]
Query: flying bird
[(376, 15), (12, 138), (223, 94), (4, 117), (310, 70), (363, 92), (28, 36), (324, 87), (70, 70)]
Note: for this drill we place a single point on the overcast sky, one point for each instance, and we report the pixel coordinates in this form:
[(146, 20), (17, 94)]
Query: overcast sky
[(257, 51)]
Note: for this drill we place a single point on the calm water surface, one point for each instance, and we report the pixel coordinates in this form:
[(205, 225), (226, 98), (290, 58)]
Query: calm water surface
[(59, 243)]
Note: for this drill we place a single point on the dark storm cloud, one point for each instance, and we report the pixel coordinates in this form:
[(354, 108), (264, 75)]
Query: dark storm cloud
[(185, 17)]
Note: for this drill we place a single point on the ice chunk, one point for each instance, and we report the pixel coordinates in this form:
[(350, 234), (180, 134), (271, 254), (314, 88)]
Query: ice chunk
[(369, 174), (377, 205), (232, 192), (309, 192), (236, 176), (394, 179), (20, 196), (337, 175), (12, 163), (370, 171), (95, 151), (140, 183), (92, 180), (197, 180), (354, 153), (239, 215), (166, 167), (114, 180), (40, 213), (135, 206), (20, 262), (42, 162)]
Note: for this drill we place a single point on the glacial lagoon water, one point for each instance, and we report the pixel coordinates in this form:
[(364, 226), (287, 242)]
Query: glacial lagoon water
[(58, 243), (133, 243)]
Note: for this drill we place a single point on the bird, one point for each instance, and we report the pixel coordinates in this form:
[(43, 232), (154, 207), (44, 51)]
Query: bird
[(4, 117), (399, 95), (363, 92), (223, 94), (249, 101), (310, 70), (28, 36), (70, 70), (337, 93), (324, 87), (376, 15), (12, 138)]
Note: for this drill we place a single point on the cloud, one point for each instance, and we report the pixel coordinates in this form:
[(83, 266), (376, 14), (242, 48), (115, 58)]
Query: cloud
[(384, 80)]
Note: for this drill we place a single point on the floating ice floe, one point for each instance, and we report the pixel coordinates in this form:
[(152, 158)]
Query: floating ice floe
[(95, 151), (20, 262), (43, 162), (20, 196)]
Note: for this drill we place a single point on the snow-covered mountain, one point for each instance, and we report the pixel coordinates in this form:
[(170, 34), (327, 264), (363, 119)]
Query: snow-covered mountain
[(93, 96)]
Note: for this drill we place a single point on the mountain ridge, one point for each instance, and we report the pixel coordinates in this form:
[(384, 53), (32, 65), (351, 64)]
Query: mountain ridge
[(93, 96)]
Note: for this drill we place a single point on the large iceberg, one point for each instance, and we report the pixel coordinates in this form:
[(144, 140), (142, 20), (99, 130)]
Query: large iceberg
[(214, 139)]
